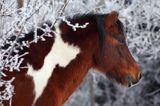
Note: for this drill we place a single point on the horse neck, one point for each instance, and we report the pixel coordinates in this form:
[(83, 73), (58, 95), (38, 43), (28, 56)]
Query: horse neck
[(69, 78)]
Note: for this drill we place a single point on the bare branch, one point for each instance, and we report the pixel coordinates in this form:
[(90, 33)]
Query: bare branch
[(153, 93), (61, 11)]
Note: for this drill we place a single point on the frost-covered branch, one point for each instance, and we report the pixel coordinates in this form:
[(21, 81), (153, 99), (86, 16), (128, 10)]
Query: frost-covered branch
[(10, 60), (7, 93), (76, 26)]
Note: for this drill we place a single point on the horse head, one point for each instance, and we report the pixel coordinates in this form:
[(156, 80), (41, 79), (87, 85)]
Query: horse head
[(113, 56)]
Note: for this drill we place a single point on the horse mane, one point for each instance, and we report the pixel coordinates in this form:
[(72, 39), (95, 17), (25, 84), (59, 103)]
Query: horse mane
[(97, 19), (100, 21), (30, 36)]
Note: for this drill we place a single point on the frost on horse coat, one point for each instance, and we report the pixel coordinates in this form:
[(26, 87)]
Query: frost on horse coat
[(58, 65)]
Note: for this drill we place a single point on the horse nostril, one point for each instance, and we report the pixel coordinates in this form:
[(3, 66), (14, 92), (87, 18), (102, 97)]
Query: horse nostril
[(140, 76), (129, 84)]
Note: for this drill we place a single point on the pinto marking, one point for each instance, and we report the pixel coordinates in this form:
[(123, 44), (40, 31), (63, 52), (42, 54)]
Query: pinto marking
[(61, 54)]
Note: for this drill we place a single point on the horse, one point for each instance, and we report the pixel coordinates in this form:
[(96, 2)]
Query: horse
[(57, 65)]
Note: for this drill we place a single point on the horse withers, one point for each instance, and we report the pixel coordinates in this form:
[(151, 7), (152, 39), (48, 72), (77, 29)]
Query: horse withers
[(57, 66)]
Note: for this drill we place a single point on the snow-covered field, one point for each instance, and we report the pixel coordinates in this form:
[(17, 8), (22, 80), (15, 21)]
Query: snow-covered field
[(141, 19)]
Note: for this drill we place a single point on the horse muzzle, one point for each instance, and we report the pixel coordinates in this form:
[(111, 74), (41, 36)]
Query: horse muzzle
[(132, 81)]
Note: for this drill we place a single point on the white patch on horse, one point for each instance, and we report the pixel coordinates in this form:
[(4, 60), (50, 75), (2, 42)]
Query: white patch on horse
[(62, 54)]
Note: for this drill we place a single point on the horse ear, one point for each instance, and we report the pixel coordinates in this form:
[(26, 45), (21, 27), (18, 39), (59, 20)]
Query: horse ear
[(111, 18)]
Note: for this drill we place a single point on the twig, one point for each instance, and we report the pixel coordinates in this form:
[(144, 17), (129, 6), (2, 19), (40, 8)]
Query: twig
[(61, 11), (153, 93)]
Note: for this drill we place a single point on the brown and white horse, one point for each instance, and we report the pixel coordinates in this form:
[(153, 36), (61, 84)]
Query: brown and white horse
[(57, 66)]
